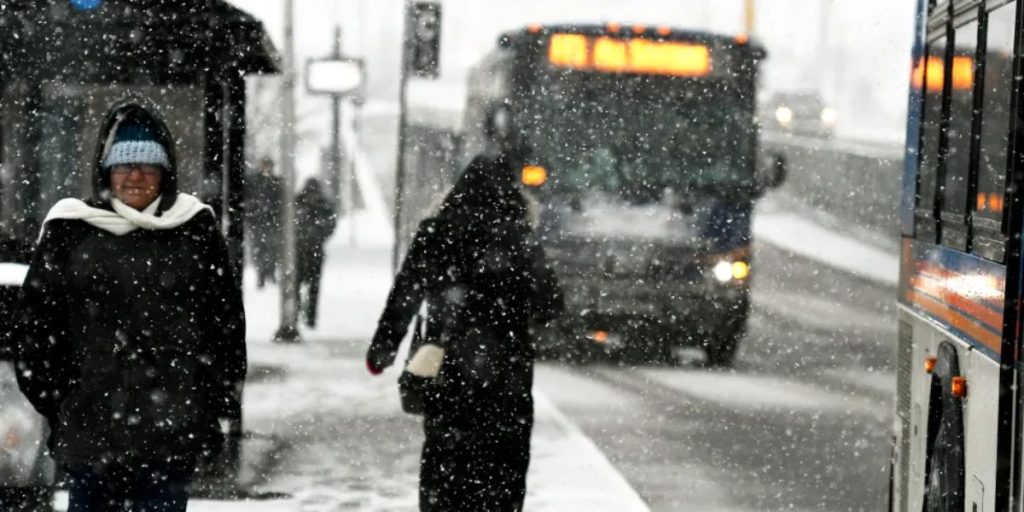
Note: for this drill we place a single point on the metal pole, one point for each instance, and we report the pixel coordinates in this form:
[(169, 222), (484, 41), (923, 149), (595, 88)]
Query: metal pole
[(400, 167), (336, 148), (350, 178), (825, 71), (750, 17), (288, 332)]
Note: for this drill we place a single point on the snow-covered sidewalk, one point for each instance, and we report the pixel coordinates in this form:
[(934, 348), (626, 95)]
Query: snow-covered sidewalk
[(343, 442)]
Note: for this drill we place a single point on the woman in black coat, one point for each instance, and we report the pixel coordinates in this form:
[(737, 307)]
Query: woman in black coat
[(130, 331), (477, 259)]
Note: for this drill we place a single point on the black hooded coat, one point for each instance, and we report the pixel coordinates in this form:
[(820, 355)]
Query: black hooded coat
[(315, 221), (478, 262), (132, 346)]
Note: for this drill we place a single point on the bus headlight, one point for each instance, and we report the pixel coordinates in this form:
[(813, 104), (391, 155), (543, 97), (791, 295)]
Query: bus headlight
[(784, 115), (829, 116), (725, 271)]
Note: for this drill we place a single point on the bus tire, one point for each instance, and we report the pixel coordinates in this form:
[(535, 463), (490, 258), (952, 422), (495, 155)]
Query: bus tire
[(945, 484), (721, 351), (721, 347)]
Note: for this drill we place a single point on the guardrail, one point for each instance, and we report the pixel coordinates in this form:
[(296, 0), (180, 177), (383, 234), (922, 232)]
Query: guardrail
[(854, 181)]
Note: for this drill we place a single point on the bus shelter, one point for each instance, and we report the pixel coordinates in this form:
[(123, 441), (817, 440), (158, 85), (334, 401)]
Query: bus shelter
[(63, 63)]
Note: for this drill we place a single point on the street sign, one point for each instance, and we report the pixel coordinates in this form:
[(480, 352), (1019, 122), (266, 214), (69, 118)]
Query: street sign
[(423, 39), (334, 76)]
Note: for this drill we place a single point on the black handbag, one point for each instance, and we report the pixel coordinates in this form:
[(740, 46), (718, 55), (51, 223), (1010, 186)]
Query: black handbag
[(418, 381)]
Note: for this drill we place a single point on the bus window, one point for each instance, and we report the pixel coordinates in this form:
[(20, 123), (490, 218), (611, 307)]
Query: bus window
[(932, 85), (958, 154), (995, 127)]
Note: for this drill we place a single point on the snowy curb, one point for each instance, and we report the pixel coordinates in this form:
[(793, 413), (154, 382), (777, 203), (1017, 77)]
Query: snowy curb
[(569, 472)]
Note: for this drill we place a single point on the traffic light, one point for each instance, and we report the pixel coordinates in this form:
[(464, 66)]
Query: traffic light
[(423, 39)]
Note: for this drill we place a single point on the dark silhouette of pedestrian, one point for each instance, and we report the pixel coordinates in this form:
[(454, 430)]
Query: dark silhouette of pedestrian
[(130, 330), (263, 207), (478, 262), (315, 222)]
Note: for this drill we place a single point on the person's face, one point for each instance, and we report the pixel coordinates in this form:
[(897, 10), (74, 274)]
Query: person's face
[(136, 185)]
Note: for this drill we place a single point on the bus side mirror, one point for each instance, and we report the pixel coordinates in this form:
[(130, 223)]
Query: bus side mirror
[(773, 173), (498, 125)]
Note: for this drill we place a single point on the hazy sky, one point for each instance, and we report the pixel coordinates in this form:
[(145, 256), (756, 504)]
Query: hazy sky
[(863, 57)]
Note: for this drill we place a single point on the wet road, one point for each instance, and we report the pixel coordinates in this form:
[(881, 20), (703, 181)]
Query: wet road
[(801, 422)]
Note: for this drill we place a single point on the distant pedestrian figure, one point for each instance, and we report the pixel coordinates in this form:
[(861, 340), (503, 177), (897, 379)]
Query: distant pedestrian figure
[(130, 330), (263, 207), (315, 222), (478, 260)]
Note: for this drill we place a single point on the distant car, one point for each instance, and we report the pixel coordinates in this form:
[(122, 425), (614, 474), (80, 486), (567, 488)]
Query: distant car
[(26, 470), (801, 113)]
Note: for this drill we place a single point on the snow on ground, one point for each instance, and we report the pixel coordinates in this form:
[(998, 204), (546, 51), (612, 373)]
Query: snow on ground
[(817, 312), (807, 238), (749, 391)]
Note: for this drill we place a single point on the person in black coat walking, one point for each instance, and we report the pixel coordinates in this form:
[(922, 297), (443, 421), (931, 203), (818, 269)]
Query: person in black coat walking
[(478, 253), (130, 330), (315, 220), (263, 212)]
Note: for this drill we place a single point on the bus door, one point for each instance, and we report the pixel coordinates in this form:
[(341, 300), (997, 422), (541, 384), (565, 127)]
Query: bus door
[(960, 271)]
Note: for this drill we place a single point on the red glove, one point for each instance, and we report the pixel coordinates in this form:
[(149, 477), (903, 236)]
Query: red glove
[(373, 369)]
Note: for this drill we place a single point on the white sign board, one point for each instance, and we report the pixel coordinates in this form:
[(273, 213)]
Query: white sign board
[(334, 76)]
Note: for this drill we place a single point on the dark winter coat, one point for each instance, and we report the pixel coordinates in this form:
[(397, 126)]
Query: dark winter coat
[(479, 253), (264, 200), (132, 345), (263, 212), (315, 222)]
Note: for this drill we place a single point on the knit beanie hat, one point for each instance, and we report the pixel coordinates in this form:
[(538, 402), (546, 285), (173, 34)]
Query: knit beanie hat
[(135, 143)]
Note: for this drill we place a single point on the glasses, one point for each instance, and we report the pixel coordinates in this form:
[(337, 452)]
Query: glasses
[(146, 170)]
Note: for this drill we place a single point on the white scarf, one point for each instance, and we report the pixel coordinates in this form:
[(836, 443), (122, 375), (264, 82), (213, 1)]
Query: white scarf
[(125, 219)]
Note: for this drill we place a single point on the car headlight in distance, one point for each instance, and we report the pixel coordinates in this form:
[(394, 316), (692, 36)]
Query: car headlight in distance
[(784, 115), (829, 116), (725, 271)]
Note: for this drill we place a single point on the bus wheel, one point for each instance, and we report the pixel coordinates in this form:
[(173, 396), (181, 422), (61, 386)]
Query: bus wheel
[(721, 346), (721, 350), (945, 462)]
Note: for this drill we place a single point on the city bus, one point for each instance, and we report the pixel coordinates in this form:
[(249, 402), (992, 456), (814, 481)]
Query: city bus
[(640, 146), (957, 429)]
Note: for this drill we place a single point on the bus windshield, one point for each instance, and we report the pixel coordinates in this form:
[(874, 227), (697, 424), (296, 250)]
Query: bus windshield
[(639, 135)]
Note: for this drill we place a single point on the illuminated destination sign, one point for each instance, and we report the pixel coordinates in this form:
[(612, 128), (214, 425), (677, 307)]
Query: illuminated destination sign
[(636, 55)]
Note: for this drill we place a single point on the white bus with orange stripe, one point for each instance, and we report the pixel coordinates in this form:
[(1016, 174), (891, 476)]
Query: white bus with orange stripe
[(957, 438)]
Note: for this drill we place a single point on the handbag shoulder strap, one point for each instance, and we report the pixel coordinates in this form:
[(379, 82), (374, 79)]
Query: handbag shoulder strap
[(418, 338)]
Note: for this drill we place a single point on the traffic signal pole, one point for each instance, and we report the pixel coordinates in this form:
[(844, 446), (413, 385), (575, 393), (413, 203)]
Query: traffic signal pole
[(420, 56)]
